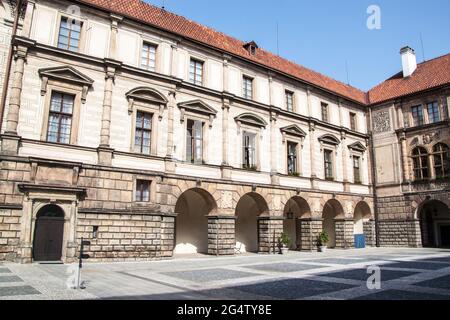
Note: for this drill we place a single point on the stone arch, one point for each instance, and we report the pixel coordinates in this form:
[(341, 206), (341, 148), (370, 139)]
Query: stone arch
[(48, 233), (434, 219), (193, 207), (295, 209), (249, 209), (332, 210), (362, 224)]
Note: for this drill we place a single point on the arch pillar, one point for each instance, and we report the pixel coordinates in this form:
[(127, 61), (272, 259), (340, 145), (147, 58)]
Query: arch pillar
[(344, 233), (309, 230), (369, 232), (221, 235), (269, 231)]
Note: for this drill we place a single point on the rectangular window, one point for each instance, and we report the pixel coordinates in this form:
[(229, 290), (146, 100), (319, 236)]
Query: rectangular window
[(249, 150), (148, 59), (247, 87), (142, 191), (292, 158), (324, 112), (353, 121), (356, 169), (194, 141), (143, 133), (433, 112), (69, 34), (289, 101), (60, 118), (328, 164), (417, 115), (196, 72)]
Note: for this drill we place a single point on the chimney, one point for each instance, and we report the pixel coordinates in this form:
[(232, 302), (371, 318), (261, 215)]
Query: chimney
[(409, 61)]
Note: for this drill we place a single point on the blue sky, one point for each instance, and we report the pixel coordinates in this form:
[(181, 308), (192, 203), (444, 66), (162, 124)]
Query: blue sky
[(324, 34)]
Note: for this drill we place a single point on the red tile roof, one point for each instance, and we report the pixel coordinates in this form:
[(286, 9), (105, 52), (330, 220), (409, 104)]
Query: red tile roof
[(144, 12), (430, 74)]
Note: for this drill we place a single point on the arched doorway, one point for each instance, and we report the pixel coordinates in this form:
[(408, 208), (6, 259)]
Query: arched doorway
[(331, 211), (434, 218), (360, 216), (48, 234), (248, 209), (295, 209), (191, 224)]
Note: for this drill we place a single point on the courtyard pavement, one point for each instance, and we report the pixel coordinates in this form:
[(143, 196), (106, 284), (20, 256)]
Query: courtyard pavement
[(336, 274)]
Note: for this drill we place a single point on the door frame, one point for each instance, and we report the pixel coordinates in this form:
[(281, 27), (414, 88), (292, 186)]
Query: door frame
[(44, 217)]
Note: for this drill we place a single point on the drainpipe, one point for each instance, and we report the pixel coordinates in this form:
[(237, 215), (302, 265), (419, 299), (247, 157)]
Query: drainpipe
[(9, 62), (373, 169)]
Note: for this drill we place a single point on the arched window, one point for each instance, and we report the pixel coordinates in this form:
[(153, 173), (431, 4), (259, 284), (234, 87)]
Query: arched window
[(441, 155), (420, 162)]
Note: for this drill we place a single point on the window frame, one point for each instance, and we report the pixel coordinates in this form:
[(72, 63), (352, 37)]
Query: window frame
[(202, 63), (194, 159), (245, 90), (143, 130), (353, 121), (141, 56), (67, 89), (291, 94), (297, 163), (419, 160), (136, 193), (325, 107), (436, 111), (251, 166), (81, 44), (444, 156), (415, 115), (146, 107), (61, 115), (357, 173), (331, 164)]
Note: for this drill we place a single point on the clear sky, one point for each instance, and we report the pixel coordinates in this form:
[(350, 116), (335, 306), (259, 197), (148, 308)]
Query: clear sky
[(324, 34)]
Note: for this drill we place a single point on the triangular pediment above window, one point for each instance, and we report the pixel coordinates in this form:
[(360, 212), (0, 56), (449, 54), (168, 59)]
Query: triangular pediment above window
[(66, 73), (357, 146), (251, 120), (294, 130), (329, 139), (146, 94), (197, 106)]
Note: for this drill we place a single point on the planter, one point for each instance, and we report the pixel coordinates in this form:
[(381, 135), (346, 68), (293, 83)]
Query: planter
[(284, 250), (322, 248)]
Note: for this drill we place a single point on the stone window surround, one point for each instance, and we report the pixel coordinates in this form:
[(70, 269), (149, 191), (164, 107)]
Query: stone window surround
[(358, 150), (153, 110), (158, 54), (76, 91), (407, 109), (84, 21), (206, 118), (294, 99), (299, 139), (152, 189), (258, 132), (333, 146), (430, 160), (252, 77), (203, 60)]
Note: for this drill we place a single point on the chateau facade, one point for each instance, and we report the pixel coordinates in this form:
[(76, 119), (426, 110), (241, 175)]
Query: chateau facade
[(150, 135)]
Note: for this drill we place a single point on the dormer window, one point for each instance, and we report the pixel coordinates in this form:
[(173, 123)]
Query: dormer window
[(251, 47)]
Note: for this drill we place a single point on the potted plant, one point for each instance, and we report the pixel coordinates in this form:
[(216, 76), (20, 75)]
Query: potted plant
[(322, 241), (285, 241)]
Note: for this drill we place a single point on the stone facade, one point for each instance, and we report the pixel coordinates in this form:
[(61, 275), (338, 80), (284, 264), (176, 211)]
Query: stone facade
[(151, 205)]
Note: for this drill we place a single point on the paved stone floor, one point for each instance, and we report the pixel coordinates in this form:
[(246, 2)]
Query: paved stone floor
[(335, 274)]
